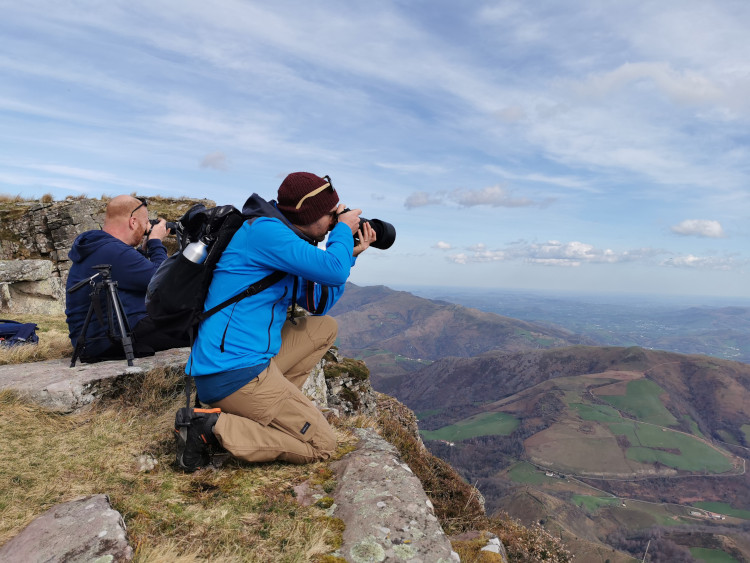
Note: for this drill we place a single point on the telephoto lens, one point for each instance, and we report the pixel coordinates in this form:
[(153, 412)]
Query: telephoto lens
[(385, 233)]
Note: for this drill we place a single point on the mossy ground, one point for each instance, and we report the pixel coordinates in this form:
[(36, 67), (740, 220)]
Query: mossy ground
[(241, 512)]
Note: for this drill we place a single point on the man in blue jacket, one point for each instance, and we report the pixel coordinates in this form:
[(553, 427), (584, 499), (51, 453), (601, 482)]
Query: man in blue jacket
[(126, 224), (248, 360)]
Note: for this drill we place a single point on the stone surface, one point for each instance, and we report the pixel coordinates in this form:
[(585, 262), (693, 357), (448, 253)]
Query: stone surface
[(31, 287), (349, 390), (55, 385), (83, 530), (387, 513), (315, 387), (25, 270)]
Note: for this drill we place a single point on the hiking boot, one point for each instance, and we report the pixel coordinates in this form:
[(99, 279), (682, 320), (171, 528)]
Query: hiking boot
[(194, 431)]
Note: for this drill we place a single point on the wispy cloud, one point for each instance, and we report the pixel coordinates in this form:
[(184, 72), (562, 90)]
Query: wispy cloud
[(699, 228), (492, 196), (215, 160), (704, 262), (553, 253)]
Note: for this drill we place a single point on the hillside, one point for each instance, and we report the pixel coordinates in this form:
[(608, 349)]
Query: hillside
[(610, 433), (397, 332)]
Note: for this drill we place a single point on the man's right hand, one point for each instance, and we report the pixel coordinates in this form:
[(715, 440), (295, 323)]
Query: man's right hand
[(159, 230), (350, 218)]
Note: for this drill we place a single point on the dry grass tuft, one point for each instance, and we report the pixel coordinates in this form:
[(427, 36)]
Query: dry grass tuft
[(7, 198), (51, 346), (242, 512), (53, 341)]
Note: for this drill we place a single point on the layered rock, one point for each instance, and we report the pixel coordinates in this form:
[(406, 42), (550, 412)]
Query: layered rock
[(35, 238)]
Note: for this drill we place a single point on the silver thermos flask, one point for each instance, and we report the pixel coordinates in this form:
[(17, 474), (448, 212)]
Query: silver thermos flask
[(196, 251)]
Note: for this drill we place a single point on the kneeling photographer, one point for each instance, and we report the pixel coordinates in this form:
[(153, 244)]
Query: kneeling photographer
[(249, 360), (126, 223)]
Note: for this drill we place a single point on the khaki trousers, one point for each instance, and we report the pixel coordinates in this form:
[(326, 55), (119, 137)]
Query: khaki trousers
[(270, 418)]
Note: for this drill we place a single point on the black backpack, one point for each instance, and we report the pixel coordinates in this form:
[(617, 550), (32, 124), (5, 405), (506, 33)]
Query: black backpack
[(13, 333), (177, 291)]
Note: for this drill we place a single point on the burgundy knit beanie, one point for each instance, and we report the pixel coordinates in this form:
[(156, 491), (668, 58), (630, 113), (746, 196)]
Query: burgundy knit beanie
[(302, 200)]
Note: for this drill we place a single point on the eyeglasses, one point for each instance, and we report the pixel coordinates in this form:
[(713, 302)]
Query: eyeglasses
[(313, 193), (144, 203)]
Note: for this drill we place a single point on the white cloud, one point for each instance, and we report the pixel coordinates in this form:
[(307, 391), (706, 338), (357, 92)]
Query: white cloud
[(553, 253), (492, 196), (699, 228), (441, 245), (421, 199), (686, 87), (413, 168), (702, 262), (215, 160), (478, 256)]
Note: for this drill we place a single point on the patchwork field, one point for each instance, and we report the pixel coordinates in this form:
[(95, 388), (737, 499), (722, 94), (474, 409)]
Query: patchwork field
[(484, 424), (642, 400), (723, 508)]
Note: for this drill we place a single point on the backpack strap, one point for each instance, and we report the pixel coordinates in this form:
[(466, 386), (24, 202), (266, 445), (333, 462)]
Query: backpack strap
[(252, 289)]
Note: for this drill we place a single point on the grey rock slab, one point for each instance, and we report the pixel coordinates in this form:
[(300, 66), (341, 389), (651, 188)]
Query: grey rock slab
[(55, 385), (82, 530), (25, 270), (387, 513)]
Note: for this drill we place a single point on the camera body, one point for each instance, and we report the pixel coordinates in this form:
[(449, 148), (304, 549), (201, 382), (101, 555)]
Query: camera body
[(171, 225)]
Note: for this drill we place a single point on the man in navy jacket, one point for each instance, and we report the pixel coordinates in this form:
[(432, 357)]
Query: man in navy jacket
[(126, 224), (249, 360)]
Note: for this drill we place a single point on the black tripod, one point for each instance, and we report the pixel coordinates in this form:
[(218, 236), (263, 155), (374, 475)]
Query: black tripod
[(114, 312)]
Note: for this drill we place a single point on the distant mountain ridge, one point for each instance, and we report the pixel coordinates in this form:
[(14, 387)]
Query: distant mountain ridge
[(376, 319)]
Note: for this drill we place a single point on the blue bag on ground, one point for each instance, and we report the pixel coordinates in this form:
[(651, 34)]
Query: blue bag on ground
[(13, 332)]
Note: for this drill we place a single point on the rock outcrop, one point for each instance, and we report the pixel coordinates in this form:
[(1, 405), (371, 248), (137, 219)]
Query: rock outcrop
[(387, 513), (31, 287), (87, 529)]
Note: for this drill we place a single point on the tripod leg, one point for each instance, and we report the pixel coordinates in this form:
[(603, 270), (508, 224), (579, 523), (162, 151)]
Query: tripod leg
[(122, 321), (80, 343)]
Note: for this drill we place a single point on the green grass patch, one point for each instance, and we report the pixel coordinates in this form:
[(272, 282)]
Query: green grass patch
[(746, 430), (694, 429), (723, 508), (643, 402), (524, 472), (649, 444), (728, 437), (422, 415), (592, 504), (484, 424), (601, 413), (711, 555)]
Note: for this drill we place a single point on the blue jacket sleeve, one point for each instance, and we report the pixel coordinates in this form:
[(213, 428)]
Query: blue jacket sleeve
[(322, 273), (276, 247)]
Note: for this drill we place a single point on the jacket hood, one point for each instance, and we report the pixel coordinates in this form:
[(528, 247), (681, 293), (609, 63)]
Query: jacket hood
[(256, 206), (88, 242)]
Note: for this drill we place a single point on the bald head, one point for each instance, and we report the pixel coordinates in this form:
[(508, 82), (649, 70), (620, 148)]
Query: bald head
[(126, 219), (121, 206)]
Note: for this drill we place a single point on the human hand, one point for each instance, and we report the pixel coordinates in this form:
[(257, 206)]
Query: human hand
[(349, 218), (159, 230), (366, 236)]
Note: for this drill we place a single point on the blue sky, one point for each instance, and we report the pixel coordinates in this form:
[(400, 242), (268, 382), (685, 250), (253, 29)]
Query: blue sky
[(590, 146)]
